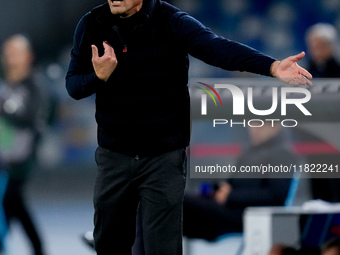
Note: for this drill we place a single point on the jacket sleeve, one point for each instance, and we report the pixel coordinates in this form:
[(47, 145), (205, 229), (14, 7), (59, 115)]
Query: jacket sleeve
[(203, 44), (81, 80)]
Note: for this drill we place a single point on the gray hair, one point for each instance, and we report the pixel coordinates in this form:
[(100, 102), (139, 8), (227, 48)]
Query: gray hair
[(20, 38), (323, 30)]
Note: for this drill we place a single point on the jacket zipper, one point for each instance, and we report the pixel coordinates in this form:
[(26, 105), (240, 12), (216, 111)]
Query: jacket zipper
[(116, 29)]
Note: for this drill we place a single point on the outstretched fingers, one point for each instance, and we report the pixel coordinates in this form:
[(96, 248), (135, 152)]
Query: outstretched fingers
[(297, 57), (305, 81), (95, 54), (108, 49), (297, 74), (304, 76), (305, 73)]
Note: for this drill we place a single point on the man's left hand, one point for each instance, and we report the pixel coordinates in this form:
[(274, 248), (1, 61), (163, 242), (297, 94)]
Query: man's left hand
[(290, 72)]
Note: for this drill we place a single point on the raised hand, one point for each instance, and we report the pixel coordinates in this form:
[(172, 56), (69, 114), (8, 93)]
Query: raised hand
[(290, 72), (106, 64)]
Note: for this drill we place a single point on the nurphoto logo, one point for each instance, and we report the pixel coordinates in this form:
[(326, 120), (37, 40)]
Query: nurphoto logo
[(238, 104)]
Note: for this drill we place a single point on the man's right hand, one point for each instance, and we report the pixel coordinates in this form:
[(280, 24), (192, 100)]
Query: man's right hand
[(106, 64)]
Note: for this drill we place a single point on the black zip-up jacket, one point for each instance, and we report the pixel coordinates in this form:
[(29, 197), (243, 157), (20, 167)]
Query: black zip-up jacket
[(144, 107)]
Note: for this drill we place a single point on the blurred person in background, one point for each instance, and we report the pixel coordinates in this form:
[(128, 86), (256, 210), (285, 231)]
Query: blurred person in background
[(321, 40), (221, 212), (22, 120), (133, 54)]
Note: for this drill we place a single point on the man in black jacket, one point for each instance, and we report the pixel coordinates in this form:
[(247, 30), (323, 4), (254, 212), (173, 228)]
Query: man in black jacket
[(133, 54)]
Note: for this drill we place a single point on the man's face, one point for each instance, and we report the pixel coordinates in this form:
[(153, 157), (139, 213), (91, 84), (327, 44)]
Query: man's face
[(125, 8), (16, 56), (320, 51)]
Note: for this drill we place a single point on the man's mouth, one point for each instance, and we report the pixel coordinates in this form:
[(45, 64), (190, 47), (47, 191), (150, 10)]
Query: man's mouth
[(116, 2)]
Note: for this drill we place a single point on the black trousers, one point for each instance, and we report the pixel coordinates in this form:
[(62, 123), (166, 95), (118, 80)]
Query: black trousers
[(156, 184), (15, 208)]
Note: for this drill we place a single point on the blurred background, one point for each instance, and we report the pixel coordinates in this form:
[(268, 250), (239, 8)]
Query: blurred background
[(60, 191)]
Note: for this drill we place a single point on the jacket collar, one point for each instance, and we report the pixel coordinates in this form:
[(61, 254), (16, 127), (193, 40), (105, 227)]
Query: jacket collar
[(103, 15)]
